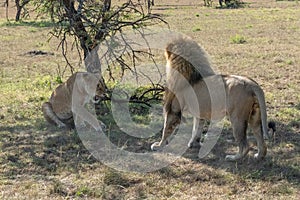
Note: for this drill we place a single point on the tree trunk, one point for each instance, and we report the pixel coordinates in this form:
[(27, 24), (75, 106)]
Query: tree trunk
[(19, 9), (20, 6), (6, 9), (88, 44)]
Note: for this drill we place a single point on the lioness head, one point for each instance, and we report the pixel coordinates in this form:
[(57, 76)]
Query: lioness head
[(100, 91)]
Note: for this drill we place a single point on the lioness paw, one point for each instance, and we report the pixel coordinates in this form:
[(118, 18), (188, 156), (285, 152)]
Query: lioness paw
[(232, 157)]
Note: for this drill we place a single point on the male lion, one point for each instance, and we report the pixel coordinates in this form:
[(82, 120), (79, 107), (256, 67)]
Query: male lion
[(242, 101), (78, 90)]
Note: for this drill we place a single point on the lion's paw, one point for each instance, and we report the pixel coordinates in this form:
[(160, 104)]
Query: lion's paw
[(155, 146), (80, 124), (194, 144), (190, 144)]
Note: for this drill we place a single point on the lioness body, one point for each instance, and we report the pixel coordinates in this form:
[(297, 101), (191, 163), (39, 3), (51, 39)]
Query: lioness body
[(78, 90)]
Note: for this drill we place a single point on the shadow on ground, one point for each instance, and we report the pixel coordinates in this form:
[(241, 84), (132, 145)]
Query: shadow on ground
[(27, 151), (281, 162)]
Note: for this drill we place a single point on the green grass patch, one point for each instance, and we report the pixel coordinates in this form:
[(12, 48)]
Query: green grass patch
[(196, 29), (35, 24), (238, 39)]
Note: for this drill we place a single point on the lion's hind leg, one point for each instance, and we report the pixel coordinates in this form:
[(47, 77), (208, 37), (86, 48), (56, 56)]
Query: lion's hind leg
[(196, 133), (256, 126), (239, 133), (262, 147), (50, 116)]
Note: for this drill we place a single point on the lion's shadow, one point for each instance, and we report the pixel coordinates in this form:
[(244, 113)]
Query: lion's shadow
[(279, 164)]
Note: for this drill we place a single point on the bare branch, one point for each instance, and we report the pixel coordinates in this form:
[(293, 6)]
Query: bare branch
[(92, 24)]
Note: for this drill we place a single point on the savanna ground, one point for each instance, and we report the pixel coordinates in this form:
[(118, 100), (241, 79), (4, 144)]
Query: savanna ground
[(260, 40)]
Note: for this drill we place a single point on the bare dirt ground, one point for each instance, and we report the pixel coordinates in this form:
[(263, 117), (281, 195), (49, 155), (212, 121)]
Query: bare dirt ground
[(38, 161)]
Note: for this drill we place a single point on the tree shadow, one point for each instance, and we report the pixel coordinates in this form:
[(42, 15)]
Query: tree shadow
[(31, 151), (42, 149)]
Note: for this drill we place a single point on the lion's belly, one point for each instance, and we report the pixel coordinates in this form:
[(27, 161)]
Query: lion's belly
[(218, 99), (205, 103), (206, 111)]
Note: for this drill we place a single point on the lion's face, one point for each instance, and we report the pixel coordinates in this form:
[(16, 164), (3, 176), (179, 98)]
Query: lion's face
[(100, 92)]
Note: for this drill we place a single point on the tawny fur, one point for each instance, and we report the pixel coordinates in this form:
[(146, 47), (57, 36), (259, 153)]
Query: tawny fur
[(245, 101), (58, 110), (189, 59)]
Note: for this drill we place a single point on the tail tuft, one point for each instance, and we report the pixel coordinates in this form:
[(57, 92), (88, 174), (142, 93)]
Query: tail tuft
[(272, 129)]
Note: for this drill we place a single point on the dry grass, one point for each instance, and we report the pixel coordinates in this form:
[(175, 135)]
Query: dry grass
[(40, 162)]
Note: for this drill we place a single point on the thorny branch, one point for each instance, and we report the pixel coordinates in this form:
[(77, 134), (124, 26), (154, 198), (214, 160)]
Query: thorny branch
[(144, 98), (92, 23)]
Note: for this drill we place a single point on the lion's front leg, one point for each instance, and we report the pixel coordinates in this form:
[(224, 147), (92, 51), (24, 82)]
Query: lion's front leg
[(172, 120)]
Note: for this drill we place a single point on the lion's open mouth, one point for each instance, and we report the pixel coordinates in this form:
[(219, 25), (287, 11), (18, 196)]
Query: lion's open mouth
[(98, 98)]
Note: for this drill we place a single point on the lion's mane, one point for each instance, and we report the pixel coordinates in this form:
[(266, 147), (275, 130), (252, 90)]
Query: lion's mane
[(187, 63)]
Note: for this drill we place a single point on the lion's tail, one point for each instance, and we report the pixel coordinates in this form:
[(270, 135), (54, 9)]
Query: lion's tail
[(50, 116), (259, 93)]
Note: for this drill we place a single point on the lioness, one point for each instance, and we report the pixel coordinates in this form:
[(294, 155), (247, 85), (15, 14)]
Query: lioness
[(243, 102), (78, 90)]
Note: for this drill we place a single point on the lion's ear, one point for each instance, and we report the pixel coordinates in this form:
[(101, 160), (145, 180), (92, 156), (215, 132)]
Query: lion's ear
[(167, 54)]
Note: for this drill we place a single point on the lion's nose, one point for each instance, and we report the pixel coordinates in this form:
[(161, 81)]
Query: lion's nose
[(99, 97)]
